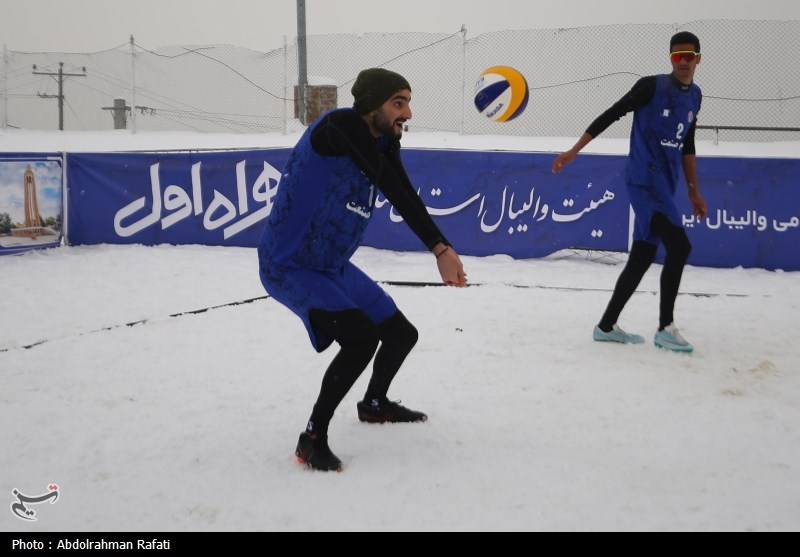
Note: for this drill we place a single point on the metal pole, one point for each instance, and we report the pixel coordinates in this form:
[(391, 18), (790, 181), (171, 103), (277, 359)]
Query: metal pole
[(61, 96), (302, 71), (463, 75), (133, 86), (285, 86), (4, 122)]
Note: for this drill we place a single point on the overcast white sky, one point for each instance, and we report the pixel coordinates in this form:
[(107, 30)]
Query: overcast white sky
[(93, 25)]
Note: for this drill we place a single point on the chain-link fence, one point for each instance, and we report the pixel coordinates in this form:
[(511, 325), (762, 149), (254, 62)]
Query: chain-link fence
[(749, 76)]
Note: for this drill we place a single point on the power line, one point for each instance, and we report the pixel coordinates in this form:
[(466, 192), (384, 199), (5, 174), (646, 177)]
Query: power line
[(61, 75)]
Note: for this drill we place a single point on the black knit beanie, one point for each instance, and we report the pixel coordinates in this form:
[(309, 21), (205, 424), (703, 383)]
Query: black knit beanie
[(374, 86), (683, 37)]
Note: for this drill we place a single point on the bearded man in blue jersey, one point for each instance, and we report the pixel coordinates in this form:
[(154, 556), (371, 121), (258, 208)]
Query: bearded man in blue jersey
[(662, 144), (320, 214)]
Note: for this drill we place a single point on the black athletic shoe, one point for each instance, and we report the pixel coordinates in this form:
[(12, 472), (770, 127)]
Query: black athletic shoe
[(380, 411), (313, 451)]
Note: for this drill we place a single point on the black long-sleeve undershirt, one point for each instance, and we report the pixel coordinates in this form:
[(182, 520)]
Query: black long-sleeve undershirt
[(344, 133), (640, 94)]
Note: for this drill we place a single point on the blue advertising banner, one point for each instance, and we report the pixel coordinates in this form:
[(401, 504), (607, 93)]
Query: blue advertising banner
[(753, 214), (495, 202), (210, 198), (486, 202), (31, 201)]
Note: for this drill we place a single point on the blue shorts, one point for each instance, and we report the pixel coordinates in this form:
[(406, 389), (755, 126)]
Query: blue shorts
[(302, 290), (646, 202)]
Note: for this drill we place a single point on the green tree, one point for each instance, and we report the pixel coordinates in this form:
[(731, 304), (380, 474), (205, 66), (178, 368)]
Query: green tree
[(5, 223)]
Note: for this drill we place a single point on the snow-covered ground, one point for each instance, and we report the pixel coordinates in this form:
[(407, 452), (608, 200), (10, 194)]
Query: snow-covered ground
[(187, 421)]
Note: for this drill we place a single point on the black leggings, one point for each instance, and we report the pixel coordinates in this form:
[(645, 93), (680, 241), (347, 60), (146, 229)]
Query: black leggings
[(677, 247), (358, 338)]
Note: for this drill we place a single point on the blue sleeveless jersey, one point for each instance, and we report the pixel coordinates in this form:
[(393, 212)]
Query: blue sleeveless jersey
[(656, 151), (320, 213), (318, 218)]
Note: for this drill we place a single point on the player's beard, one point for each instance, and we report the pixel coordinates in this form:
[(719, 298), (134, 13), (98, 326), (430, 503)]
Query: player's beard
[(385, 126)]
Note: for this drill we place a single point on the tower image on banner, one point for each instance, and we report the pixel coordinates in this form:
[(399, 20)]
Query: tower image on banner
[(501, 93)]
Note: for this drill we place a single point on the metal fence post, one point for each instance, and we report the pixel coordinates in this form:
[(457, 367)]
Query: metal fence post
[(463, 75), (5, 89), (133, 86), (285, 88)]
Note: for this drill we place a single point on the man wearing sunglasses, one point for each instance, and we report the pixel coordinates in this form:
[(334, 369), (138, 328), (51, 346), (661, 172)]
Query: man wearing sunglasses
[(662, 144)]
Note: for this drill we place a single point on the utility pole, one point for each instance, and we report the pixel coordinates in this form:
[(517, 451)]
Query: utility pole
[(120, 112), (302, 71), (61, 75)]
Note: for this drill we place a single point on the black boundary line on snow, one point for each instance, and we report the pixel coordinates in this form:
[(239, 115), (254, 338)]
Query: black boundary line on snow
[(408, 283), (566, 288), (139, 322)]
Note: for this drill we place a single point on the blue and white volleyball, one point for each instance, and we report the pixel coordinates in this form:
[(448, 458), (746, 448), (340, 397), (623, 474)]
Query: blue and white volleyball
[(501, 93)]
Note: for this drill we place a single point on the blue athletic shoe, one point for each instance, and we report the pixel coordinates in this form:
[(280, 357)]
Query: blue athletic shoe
[(670, 339), (616, 335)]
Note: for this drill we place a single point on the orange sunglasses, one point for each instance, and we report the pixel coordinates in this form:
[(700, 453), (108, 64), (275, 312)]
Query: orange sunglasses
[(685, 55)]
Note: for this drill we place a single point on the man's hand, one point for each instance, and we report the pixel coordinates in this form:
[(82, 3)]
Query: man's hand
[(699, 208), (563, 160), (450, 267), (567, 157)]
